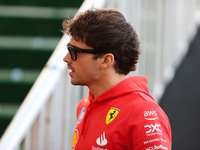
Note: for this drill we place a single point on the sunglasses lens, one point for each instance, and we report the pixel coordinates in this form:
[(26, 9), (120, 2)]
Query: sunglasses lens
[(72, 53)]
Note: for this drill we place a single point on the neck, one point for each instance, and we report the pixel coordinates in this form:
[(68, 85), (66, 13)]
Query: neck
[(106, 83)]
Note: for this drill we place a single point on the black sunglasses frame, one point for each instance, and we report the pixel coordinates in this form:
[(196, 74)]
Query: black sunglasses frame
[(73, 51)]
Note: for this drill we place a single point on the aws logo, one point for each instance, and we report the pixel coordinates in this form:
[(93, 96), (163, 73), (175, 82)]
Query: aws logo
[(150, 115), (112, 114)]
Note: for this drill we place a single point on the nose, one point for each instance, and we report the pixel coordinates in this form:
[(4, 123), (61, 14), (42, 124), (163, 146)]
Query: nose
[(67, 58)]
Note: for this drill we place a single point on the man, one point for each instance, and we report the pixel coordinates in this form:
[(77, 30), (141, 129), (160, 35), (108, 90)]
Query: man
[(118, 113)]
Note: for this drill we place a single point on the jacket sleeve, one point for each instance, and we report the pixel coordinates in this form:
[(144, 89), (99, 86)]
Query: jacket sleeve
[(148, 128)]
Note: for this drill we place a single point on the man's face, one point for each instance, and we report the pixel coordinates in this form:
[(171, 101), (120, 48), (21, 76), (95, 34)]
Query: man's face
[(85, 70)]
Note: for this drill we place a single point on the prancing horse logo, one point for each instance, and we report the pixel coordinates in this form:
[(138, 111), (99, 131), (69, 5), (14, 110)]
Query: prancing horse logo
[(112, 114)]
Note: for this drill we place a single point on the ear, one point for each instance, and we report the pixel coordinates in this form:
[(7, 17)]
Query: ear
[(107, 60)]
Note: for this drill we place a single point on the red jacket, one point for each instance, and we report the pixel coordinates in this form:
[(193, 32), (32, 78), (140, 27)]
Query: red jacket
[(125, 117)]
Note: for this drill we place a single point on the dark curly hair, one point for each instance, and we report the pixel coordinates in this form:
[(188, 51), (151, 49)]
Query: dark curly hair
[(107, 31)]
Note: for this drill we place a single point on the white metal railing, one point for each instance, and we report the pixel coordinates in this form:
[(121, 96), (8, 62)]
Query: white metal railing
[(164, 28), (46, 119), (53, 90)]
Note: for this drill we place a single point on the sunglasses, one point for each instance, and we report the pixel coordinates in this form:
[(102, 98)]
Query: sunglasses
[(73, 51)]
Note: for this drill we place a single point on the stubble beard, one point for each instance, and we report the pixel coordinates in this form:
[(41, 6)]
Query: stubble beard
[(77, 82)]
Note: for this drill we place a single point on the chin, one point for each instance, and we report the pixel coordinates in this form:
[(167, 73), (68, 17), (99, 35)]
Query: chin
[(75, 82)]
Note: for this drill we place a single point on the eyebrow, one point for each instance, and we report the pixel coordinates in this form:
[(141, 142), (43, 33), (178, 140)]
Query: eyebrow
[(74, 46)]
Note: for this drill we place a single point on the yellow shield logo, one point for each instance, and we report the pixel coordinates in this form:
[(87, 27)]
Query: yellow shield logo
[(112, 114)]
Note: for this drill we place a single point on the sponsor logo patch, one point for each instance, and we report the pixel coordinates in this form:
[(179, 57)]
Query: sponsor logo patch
[(155, 140), (153, 129), (102, 141), (155, 147), (152, 140), (75, 138), (80, 118), (150, 115), (112, 114), (98, 148)]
